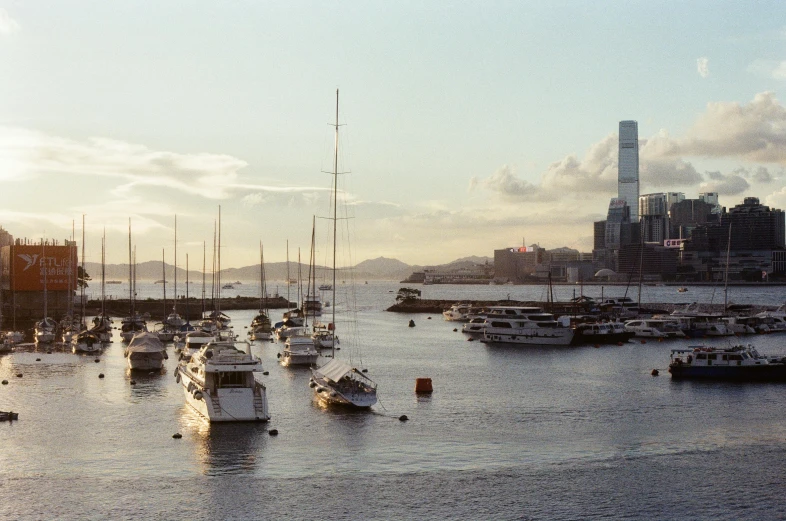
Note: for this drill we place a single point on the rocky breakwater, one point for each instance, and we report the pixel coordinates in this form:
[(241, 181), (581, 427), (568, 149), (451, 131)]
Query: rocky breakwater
[(193, 306)]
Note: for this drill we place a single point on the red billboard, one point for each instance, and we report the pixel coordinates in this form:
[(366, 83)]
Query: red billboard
[(36, 265)]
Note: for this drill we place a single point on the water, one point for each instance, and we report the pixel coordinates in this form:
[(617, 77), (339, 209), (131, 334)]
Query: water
[(509, 433)]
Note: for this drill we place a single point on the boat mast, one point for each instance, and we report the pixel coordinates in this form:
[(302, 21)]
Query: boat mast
[(43, 259), (84, 273), (288, 276), (335, 215), (103, 274), (174, 302), (726, 274), (312, 271), (218, 273), (187, 306), (163, 273), (130, 272), (204, 268)]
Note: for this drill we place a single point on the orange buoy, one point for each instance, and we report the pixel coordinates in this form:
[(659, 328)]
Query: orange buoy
[(643, 341), (423, 385)]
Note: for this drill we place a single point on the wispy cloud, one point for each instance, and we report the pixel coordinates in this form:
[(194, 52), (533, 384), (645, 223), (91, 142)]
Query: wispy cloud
[(8, 25), (770, 69), (703, 66)]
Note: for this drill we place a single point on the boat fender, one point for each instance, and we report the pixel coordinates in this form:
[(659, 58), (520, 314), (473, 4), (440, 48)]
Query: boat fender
[(177, 376), (278, 355), (198, 395), (333, 394), (312, 384)]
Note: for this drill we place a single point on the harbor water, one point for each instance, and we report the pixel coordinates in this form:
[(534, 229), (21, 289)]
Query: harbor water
[(508, 433)]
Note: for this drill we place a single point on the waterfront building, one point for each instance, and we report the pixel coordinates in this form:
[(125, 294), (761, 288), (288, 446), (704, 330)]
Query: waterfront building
[(653, 260), (687, 214), (517, 264), (654, 215), (628, 167)]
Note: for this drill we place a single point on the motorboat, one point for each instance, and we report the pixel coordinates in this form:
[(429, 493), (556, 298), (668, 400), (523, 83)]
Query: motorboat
[(6, 344), (535, 328), (219, 384), (458, 312), (601, 333), (475, 326), (289, 328), (654, 328), (191, 342), (737, 363), (45, 331), (174, 320), (86, 342), (145, 352), (338, 383), (324, 336), (739, 325), (299, 350), (325, 287)]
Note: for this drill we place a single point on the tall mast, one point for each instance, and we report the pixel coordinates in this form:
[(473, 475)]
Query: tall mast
[(174, 303), (187, 306), (84, 273), (204, 269), (288, 276), (103, 273), (335, 215), (726, 274), (261, 279), (46, 268), (130, 271), (218, 274), (163, 273)]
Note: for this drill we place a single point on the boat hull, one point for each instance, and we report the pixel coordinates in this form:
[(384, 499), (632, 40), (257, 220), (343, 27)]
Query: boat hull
[(559, 337), (755, 373), (145, 361), (228, 405)]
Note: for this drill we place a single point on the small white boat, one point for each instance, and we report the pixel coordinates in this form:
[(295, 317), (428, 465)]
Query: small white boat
[(102, 327), (260, 328), (324, 338), (165, 332), (219, 384), (339, 383), (299, 350), (458, 312), (145, 352), (654, 328)]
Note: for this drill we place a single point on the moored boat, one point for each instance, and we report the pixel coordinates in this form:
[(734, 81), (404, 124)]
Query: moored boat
[(737, 363), (145, 352), (219, 384)]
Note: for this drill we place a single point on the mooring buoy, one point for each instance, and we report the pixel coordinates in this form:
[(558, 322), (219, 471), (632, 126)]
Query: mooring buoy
[(97, 360), (655, 372), (273, 432), (265, 373), (177, 435), (133, 382), (411, 323), (100, 375), (37, 359), (455, 329), (5, 382), (19, 375), (403, 418)]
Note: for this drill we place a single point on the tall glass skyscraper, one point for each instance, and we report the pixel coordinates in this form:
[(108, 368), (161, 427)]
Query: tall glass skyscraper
[(628, 167)]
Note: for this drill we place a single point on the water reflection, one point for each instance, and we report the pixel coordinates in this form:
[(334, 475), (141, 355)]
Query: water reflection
[(226, 448), (147, 383)]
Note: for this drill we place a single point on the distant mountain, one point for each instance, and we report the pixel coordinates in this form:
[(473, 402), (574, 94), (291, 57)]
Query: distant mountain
[(380, 268)]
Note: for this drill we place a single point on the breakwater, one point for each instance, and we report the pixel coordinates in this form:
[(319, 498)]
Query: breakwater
[(558, 308), (188, 308)]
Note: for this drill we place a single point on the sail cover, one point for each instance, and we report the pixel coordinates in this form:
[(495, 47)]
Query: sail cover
[(334, 370)]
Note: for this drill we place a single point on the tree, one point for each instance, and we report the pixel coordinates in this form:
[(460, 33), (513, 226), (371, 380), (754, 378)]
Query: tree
[(407, 295), (81, 277)]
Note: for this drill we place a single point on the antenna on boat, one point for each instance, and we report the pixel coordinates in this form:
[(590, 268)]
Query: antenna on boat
[(335, 215)]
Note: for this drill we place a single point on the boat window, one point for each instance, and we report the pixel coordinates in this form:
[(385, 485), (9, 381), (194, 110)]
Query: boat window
[(231, 379), (712, 357), (735, 357), (701, 356), (500, 324)]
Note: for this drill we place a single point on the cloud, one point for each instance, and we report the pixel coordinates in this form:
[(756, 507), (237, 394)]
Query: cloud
[(8, 25), (703, 66), (753, 132), (725, 184), (508, 187), (759, 174), (597, 172)]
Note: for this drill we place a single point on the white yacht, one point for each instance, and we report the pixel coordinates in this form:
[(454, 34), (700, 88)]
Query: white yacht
[(86, 342), (458, 312), (312, 305), (219, 384), (339, 383), (654, 328), (324, 337), (191, 342), (260, 328), (533, 328), (145, 352), (299, 350)]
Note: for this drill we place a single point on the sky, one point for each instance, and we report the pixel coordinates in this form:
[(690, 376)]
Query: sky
[(466, 126)]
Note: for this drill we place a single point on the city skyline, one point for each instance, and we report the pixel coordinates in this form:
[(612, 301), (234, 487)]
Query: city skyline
[(466, 129)]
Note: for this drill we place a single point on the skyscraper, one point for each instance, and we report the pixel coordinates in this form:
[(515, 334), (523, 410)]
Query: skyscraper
[(628, 167)]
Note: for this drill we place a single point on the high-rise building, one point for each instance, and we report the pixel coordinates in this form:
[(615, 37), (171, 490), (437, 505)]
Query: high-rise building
[(628, 167), (654, 213)]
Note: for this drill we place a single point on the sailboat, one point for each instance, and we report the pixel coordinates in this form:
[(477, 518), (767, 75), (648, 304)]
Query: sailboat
[(338, 382), (85, 341), (299, 348), (133, 323), (174, 320), (260, 326), (45, 329), (164, 331), (102, 324)]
